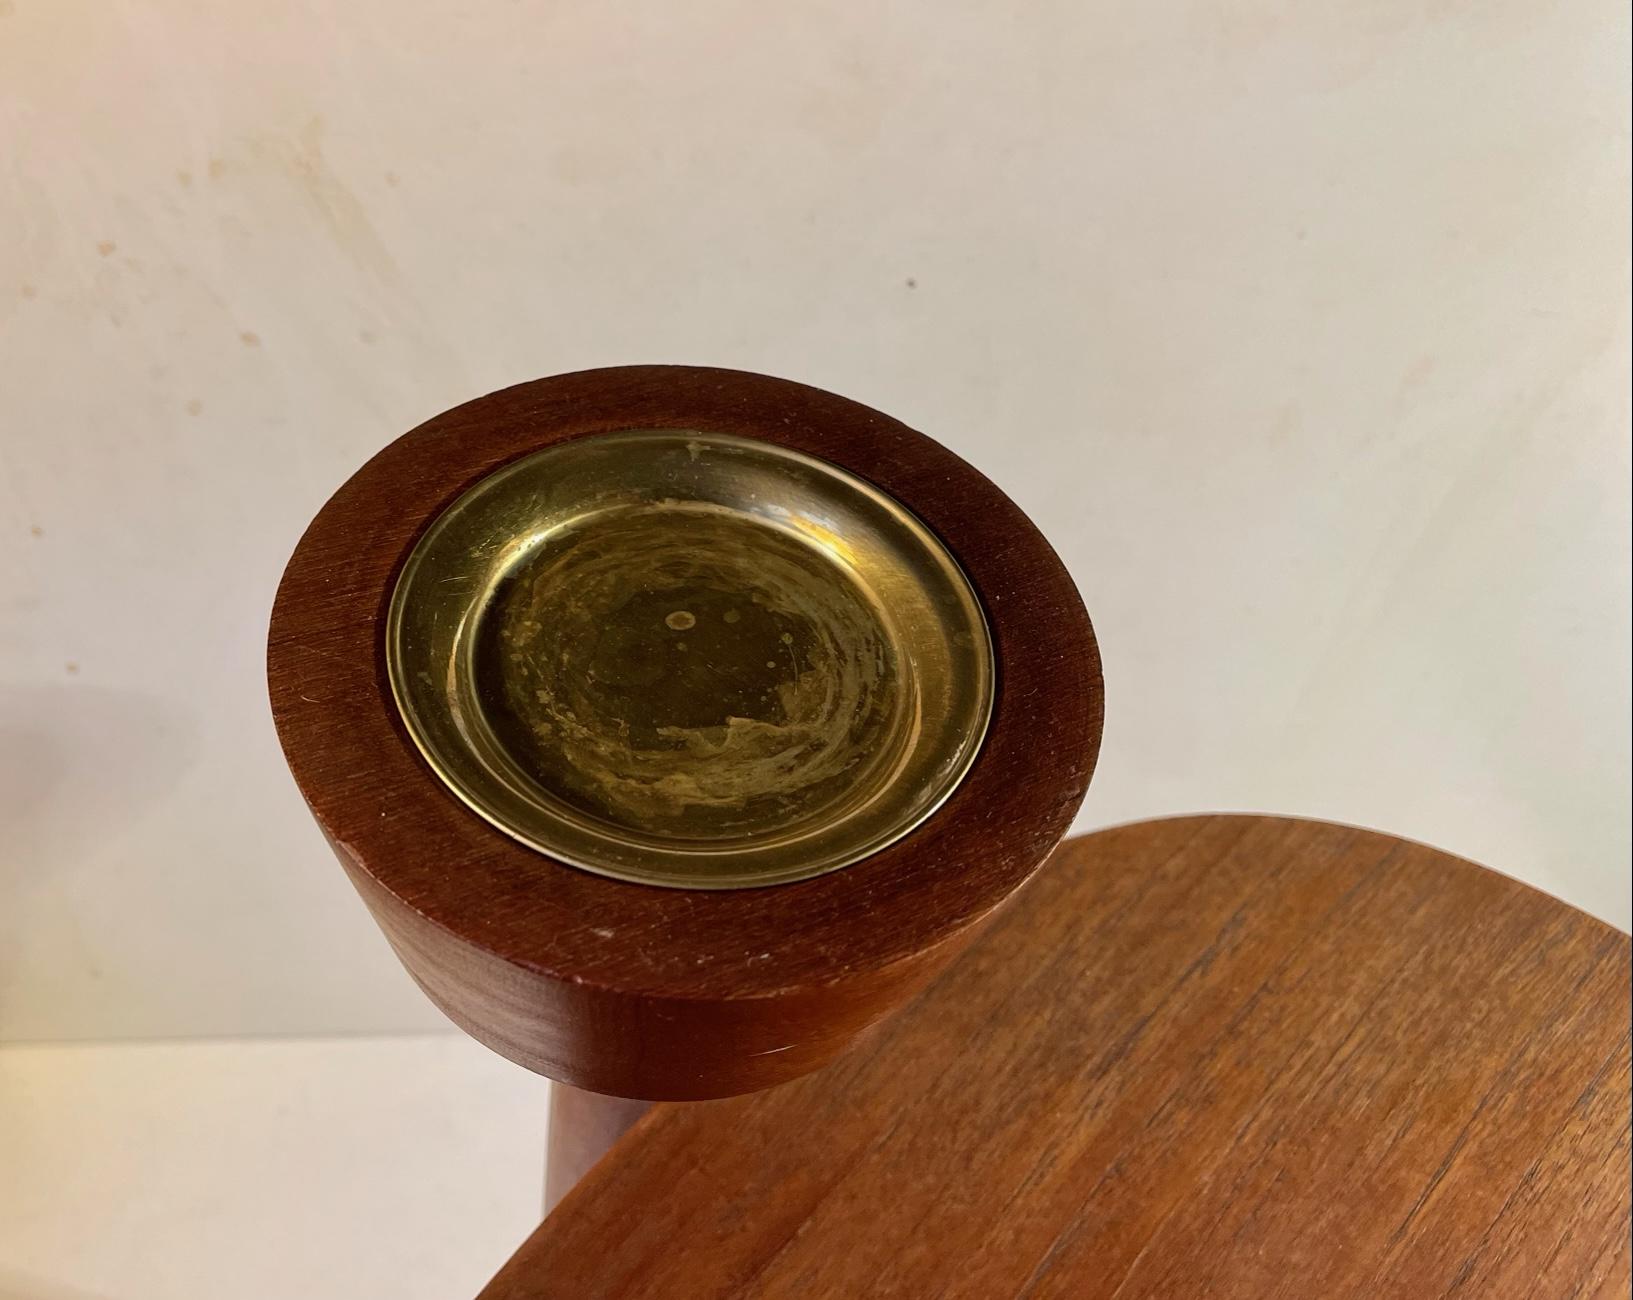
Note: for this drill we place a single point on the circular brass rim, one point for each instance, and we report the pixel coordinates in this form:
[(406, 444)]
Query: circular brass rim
[(494, 576)]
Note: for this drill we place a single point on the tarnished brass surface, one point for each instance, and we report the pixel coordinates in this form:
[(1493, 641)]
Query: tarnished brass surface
[(689, 659)]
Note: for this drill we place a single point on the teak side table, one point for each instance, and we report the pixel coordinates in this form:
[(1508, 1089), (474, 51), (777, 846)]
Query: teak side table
[(678, 725)]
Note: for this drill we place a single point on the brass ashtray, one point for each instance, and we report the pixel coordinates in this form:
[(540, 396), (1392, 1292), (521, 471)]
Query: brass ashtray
[(689, 659)]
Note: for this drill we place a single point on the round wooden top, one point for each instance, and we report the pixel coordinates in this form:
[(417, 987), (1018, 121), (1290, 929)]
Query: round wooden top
[(630, 989), (1221, 1056)]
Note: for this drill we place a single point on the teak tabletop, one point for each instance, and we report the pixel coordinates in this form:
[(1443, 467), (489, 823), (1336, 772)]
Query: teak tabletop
[(1212, 1056)]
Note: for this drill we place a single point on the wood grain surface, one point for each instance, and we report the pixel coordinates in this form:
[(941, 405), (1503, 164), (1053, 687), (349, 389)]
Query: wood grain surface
[(1214, 1056), (628, 989)]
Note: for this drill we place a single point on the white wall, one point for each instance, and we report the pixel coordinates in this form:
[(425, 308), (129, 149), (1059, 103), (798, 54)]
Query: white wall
[(403, 1168), (1300, 329)]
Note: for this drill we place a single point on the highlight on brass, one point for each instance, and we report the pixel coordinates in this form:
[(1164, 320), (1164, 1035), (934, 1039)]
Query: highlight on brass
[(689, 659)]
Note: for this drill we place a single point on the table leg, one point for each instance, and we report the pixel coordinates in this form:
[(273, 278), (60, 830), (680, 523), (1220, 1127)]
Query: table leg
[(583, 1125)]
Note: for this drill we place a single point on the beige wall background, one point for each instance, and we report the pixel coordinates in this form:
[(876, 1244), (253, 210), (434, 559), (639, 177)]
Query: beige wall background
[(1300, 329)]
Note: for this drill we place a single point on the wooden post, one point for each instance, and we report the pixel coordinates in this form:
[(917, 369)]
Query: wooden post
[(583, 1127)]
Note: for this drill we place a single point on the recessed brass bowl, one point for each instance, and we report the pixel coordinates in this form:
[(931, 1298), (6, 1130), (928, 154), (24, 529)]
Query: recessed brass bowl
[(689, 659)]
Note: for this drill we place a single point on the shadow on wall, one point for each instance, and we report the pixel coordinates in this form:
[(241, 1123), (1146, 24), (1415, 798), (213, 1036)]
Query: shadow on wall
[(80, 765), (15, 1286)]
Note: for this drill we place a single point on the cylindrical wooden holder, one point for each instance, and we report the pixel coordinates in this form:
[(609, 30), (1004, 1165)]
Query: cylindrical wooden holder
[(632, 990)]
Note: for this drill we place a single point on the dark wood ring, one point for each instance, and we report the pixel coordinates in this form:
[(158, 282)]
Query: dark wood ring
[(627, 989)]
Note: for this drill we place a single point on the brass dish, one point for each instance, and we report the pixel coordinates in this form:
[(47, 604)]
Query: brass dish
[(689, 659)]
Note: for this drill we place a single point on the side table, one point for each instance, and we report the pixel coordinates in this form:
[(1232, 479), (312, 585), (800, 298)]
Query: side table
[(1224, 1056)]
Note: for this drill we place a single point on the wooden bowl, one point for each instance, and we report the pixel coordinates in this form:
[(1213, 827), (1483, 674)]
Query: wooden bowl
[(632, 989)]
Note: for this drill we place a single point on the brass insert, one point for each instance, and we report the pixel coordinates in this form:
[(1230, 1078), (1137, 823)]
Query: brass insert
[(689, 659)]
